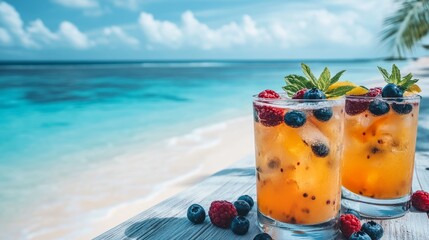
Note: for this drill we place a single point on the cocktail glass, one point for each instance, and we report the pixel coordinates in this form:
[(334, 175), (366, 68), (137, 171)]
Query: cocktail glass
[(298, 175), (379, 154)]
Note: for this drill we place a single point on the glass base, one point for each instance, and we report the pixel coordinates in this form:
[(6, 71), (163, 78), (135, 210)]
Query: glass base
[(375, 208), (281, 230)]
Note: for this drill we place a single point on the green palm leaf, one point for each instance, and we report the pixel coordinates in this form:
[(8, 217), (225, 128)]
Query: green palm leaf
[(407, 26)]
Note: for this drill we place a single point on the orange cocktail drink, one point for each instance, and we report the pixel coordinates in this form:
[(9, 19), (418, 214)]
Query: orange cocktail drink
[(379, 154), (298, 157)]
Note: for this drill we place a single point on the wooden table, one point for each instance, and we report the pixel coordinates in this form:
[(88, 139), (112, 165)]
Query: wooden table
[(167, 220)]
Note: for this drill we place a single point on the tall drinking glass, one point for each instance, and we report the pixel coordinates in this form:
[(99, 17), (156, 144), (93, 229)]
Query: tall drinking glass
[(298, 151), (379, 149)]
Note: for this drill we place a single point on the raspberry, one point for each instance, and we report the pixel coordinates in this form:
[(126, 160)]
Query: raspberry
[(221, 213), (420, 200), (358, 105), (269, 116), (374, 92), (349, 224), (300, 94), (268, 94)]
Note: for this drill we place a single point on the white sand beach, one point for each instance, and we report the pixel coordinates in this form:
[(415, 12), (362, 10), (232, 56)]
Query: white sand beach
[(94, 201)]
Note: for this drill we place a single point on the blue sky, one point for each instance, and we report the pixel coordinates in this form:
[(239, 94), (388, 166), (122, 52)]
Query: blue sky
[(192, 29)]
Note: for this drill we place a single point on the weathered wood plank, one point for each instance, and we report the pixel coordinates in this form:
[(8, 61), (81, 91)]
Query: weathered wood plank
[(167, 220)]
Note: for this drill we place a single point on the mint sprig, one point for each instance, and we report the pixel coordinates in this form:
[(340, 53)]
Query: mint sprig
[(395, 77), (295, 83)]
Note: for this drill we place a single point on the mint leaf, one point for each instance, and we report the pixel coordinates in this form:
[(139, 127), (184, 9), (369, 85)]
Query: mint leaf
[(396, 75), (297, 80), (290, 90), (408, 84), (339, 91), (336, 77), (307, 72), (385, 74), (407, 78), (324, 79)]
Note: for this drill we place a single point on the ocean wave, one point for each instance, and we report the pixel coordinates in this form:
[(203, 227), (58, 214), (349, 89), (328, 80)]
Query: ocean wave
[(198, 135), (184, 64)]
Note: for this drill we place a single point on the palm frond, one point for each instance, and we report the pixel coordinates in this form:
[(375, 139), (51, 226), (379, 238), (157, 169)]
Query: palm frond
[(407, 26)]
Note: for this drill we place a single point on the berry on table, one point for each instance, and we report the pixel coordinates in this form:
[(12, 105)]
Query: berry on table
[(268, 94), (378, 107), (300, 94), (360, 235), (356, 213), (392, 90), (221, 213), (349, 224), (373, 229), (196, 214), (240, 225), (314, 93), (295, 118), (263, 236), (248, 199), (420, 200), (323, 114), (242, 207)]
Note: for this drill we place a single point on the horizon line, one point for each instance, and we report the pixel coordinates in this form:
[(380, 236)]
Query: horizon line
[(112, 61)]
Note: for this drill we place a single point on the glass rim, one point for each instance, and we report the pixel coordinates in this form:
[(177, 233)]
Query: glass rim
[(412, 97), (285, 98)]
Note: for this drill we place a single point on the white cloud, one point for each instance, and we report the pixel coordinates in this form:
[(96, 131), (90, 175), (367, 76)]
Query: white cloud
[(38, 30), (163, 32), (304, 28), (81, 4), (116, 32), (11, 19), (193, 33), (4, 36), (72, 34), (340, 28)]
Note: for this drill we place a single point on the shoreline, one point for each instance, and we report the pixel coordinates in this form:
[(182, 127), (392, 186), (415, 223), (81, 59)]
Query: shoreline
[(137, 180)]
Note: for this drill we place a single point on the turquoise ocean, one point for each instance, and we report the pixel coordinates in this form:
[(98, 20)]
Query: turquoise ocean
[(59, 118)]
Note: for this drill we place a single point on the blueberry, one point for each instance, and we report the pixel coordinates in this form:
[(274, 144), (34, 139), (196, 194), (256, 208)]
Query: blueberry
[(240, 225), (392, 90), (196, 214), (295, 118), (373, 229), (242, 207), (263, 236), (248, 199), (402, 108), (378, 107), (320, 149), (356, 213), (359, 236), (314, 93), (323, 114)]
